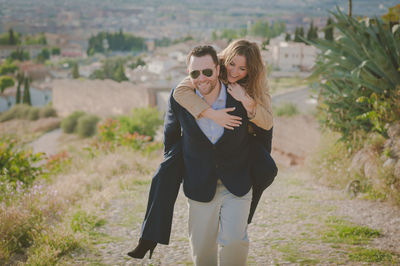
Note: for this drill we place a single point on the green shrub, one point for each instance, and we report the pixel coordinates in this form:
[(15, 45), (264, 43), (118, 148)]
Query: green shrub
[(17, 166), (144, 121), (18, 111), (69, 123), (286, 109), (48, 111), (86, 125), (33, 113)]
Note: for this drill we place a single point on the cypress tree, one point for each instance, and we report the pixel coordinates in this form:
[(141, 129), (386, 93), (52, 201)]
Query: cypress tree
[(75, 71), (11, 37), (328, 30), (27, 95), (300, 34), (20, 79), (119, 74)]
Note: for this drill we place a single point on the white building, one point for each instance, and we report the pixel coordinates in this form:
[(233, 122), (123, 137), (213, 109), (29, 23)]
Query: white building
[(293, 56)]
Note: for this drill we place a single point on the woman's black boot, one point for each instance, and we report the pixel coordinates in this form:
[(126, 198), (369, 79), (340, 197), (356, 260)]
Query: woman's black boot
[(140, 251)]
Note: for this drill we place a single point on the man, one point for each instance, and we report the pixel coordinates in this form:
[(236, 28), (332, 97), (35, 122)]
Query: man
[(216, 167)]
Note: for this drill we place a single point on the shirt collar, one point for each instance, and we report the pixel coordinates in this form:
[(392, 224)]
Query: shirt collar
[(221, 96)]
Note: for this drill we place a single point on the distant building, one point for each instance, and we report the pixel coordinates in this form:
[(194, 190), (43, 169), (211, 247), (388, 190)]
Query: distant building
[(40, 96), (293, 56), (7, 100), (33, 50), (38, 72)]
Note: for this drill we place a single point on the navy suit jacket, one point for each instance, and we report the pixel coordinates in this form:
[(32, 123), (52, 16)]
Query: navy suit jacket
[(189, 155)]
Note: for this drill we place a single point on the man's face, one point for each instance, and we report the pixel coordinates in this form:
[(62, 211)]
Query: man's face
[(199, 70)]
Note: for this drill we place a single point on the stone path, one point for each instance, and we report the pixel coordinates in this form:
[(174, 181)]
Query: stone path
[(288, 227), (47, 143)]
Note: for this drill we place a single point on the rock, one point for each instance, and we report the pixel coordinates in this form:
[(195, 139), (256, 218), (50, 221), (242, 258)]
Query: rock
[(396, 171), (371, 169), (389, 163), (394, 130), (359, 160)]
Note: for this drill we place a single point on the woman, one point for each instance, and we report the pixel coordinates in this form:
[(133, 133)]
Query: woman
[(241, 67), (245, 72)]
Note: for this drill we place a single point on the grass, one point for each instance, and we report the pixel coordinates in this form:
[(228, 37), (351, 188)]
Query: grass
[(292, 254), (278, 85), (286, 109), (341, 231), (372, 255), (62, 216)]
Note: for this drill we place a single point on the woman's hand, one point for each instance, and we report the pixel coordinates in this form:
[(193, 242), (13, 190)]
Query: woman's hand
[(222, 118), (237, 92)]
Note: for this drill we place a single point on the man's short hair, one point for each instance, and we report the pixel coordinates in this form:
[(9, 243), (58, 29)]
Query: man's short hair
[(203, 50)]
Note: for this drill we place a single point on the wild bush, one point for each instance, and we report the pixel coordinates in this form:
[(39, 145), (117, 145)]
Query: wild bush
[(112, 134), (286, 109), (144, 121), (86, 125), (34, 113), (18, 111), (68, 124), (17, 167), (48, 111)]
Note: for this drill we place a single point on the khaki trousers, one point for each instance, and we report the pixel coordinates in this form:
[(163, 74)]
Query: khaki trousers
[(221, 221)]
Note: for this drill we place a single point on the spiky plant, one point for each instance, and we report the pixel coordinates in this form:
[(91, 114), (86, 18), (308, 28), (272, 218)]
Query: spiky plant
[(359, 76)]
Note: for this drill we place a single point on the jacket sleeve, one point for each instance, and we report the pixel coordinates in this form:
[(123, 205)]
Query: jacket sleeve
[(184, 94), (263, 116)]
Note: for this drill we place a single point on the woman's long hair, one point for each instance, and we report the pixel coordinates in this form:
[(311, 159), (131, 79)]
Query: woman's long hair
[(255, 83)]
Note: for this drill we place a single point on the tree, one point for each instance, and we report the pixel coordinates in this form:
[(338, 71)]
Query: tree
[(287, 37), (8, 68), (139, 62), (350, 8), (312, 32), (328, 30), (27, 94), (392, 17), (6, 82), (20, 79), (42, 39), (55, 51), (298, 34), (11, 37), (20, 55), (75, 71), (119, 74), (301, 32)]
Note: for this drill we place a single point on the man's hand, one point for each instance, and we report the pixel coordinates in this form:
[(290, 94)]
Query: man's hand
[(222, 118)]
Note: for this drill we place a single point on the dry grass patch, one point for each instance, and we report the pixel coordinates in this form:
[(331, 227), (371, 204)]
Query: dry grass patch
[(40, 222)]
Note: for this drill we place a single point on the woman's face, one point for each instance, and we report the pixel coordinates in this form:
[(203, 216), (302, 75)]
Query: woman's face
[(237, 68)]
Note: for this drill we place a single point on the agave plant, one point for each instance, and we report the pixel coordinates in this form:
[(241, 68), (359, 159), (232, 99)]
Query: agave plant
[(359, 76)]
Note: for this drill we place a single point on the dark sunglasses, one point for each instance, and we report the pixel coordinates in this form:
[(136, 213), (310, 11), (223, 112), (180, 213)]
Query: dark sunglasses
[(208, 72)]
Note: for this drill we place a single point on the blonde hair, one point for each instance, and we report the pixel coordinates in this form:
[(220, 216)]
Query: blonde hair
[(255, 82)]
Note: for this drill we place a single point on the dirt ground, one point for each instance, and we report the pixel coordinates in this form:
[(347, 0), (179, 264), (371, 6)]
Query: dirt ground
[(292, 225)]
